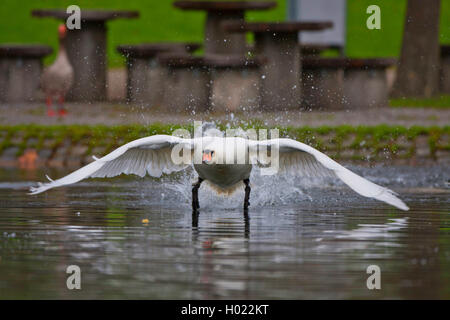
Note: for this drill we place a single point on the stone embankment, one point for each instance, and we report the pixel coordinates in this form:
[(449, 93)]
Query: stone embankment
[(74, 145)]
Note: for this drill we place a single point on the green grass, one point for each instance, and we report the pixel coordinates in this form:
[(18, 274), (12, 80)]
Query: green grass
[(362, 42), (441, 102), (160, 21), (374, 137), (361, 143)]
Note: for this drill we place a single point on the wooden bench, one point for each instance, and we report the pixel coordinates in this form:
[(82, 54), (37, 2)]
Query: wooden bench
[(235, 82), (187, 87), (146, 78), (20, 71), (343, 83)]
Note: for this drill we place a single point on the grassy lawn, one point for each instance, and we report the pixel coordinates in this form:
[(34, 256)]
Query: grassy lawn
[(442, 102), (160, 21), (362, 42)]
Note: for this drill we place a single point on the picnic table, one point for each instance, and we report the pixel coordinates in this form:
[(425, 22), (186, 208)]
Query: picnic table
[(350, 83), (187, 87), (278, 42), (86, 48), (20, 71), (234, 82), (217, 41), (146, 78)]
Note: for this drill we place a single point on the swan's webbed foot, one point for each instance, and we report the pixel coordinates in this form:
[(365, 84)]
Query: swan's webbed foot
[(195, 187), (247, 194)]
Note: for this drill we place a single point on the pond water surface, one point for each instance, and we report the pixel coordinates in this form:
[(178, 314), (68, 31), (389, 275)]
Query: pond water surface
[(302, 239)]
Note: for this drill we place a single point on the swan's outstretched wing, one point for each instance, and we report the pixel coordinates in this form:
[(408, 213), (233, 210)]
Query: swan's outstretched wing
[(302, 159), (150, 155)]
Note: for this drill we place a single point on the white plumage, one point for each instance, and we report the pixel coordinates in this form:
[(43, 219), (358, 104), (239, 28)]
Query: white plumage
[(153, 155)]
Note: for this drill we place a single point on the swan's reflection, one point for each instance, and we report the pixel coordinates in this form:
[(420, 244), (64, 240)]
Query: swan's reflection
[(245, 216), (222, 246)]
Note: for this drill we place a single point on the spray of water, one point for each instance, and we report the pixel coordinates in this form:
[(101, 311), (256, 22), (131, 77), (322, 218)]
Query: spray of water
[(266, 191)]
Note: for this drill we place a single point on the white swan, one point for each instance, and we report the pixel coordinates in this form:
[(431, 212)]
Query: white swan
[(211, 156)]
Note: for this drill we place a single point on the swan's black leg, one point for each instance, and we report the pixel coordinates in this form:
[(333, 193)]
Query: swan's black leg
[(246, 224), (195, 187), (247, 194)]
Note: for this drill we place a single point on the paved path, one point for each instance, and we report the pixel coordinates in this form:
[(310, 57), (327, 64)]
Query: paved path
[(114, 114)]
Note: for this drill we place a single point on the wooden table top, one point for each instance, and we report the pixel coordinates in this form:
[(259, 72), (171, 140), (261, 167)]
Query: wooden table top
[(344, 62), (24, 50), (260, 27), (87, 15), (152, 49), (225, 5)]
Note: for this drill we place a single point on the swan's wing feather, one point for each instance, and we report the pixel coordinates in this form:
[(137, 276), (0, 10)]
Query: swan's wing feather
[(310, 161), (304, 163), (75, 176), (292, 160), (150, 155)]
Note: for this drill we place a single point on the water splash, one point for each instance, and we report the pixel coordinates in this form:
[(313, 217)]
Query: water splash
[(266, 191)]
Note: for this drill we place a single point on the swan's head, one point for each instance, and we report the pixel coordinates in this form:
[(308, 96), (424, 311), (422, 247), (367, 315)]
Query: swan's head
[(216, 150), (209, 156), (212, 150)]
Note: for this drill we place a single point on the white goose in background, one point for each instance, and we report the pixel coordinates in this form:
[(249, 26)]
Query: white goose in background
[(57, 78), (153, 155)]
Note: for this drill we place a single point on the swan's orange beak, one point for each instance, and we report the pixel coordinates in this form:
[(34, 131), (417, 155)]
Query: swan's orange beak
[(207, 157)]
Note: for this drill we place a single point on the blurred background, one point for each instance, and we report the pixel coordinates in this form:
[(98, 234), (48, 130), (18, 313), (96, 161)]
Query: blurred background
[(160, 21), (376, 100)]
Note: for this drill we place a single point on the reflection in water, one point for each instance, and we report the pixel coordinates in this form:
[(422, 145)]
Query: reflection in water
[(221, 242), (312, 243), (226, 226)]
